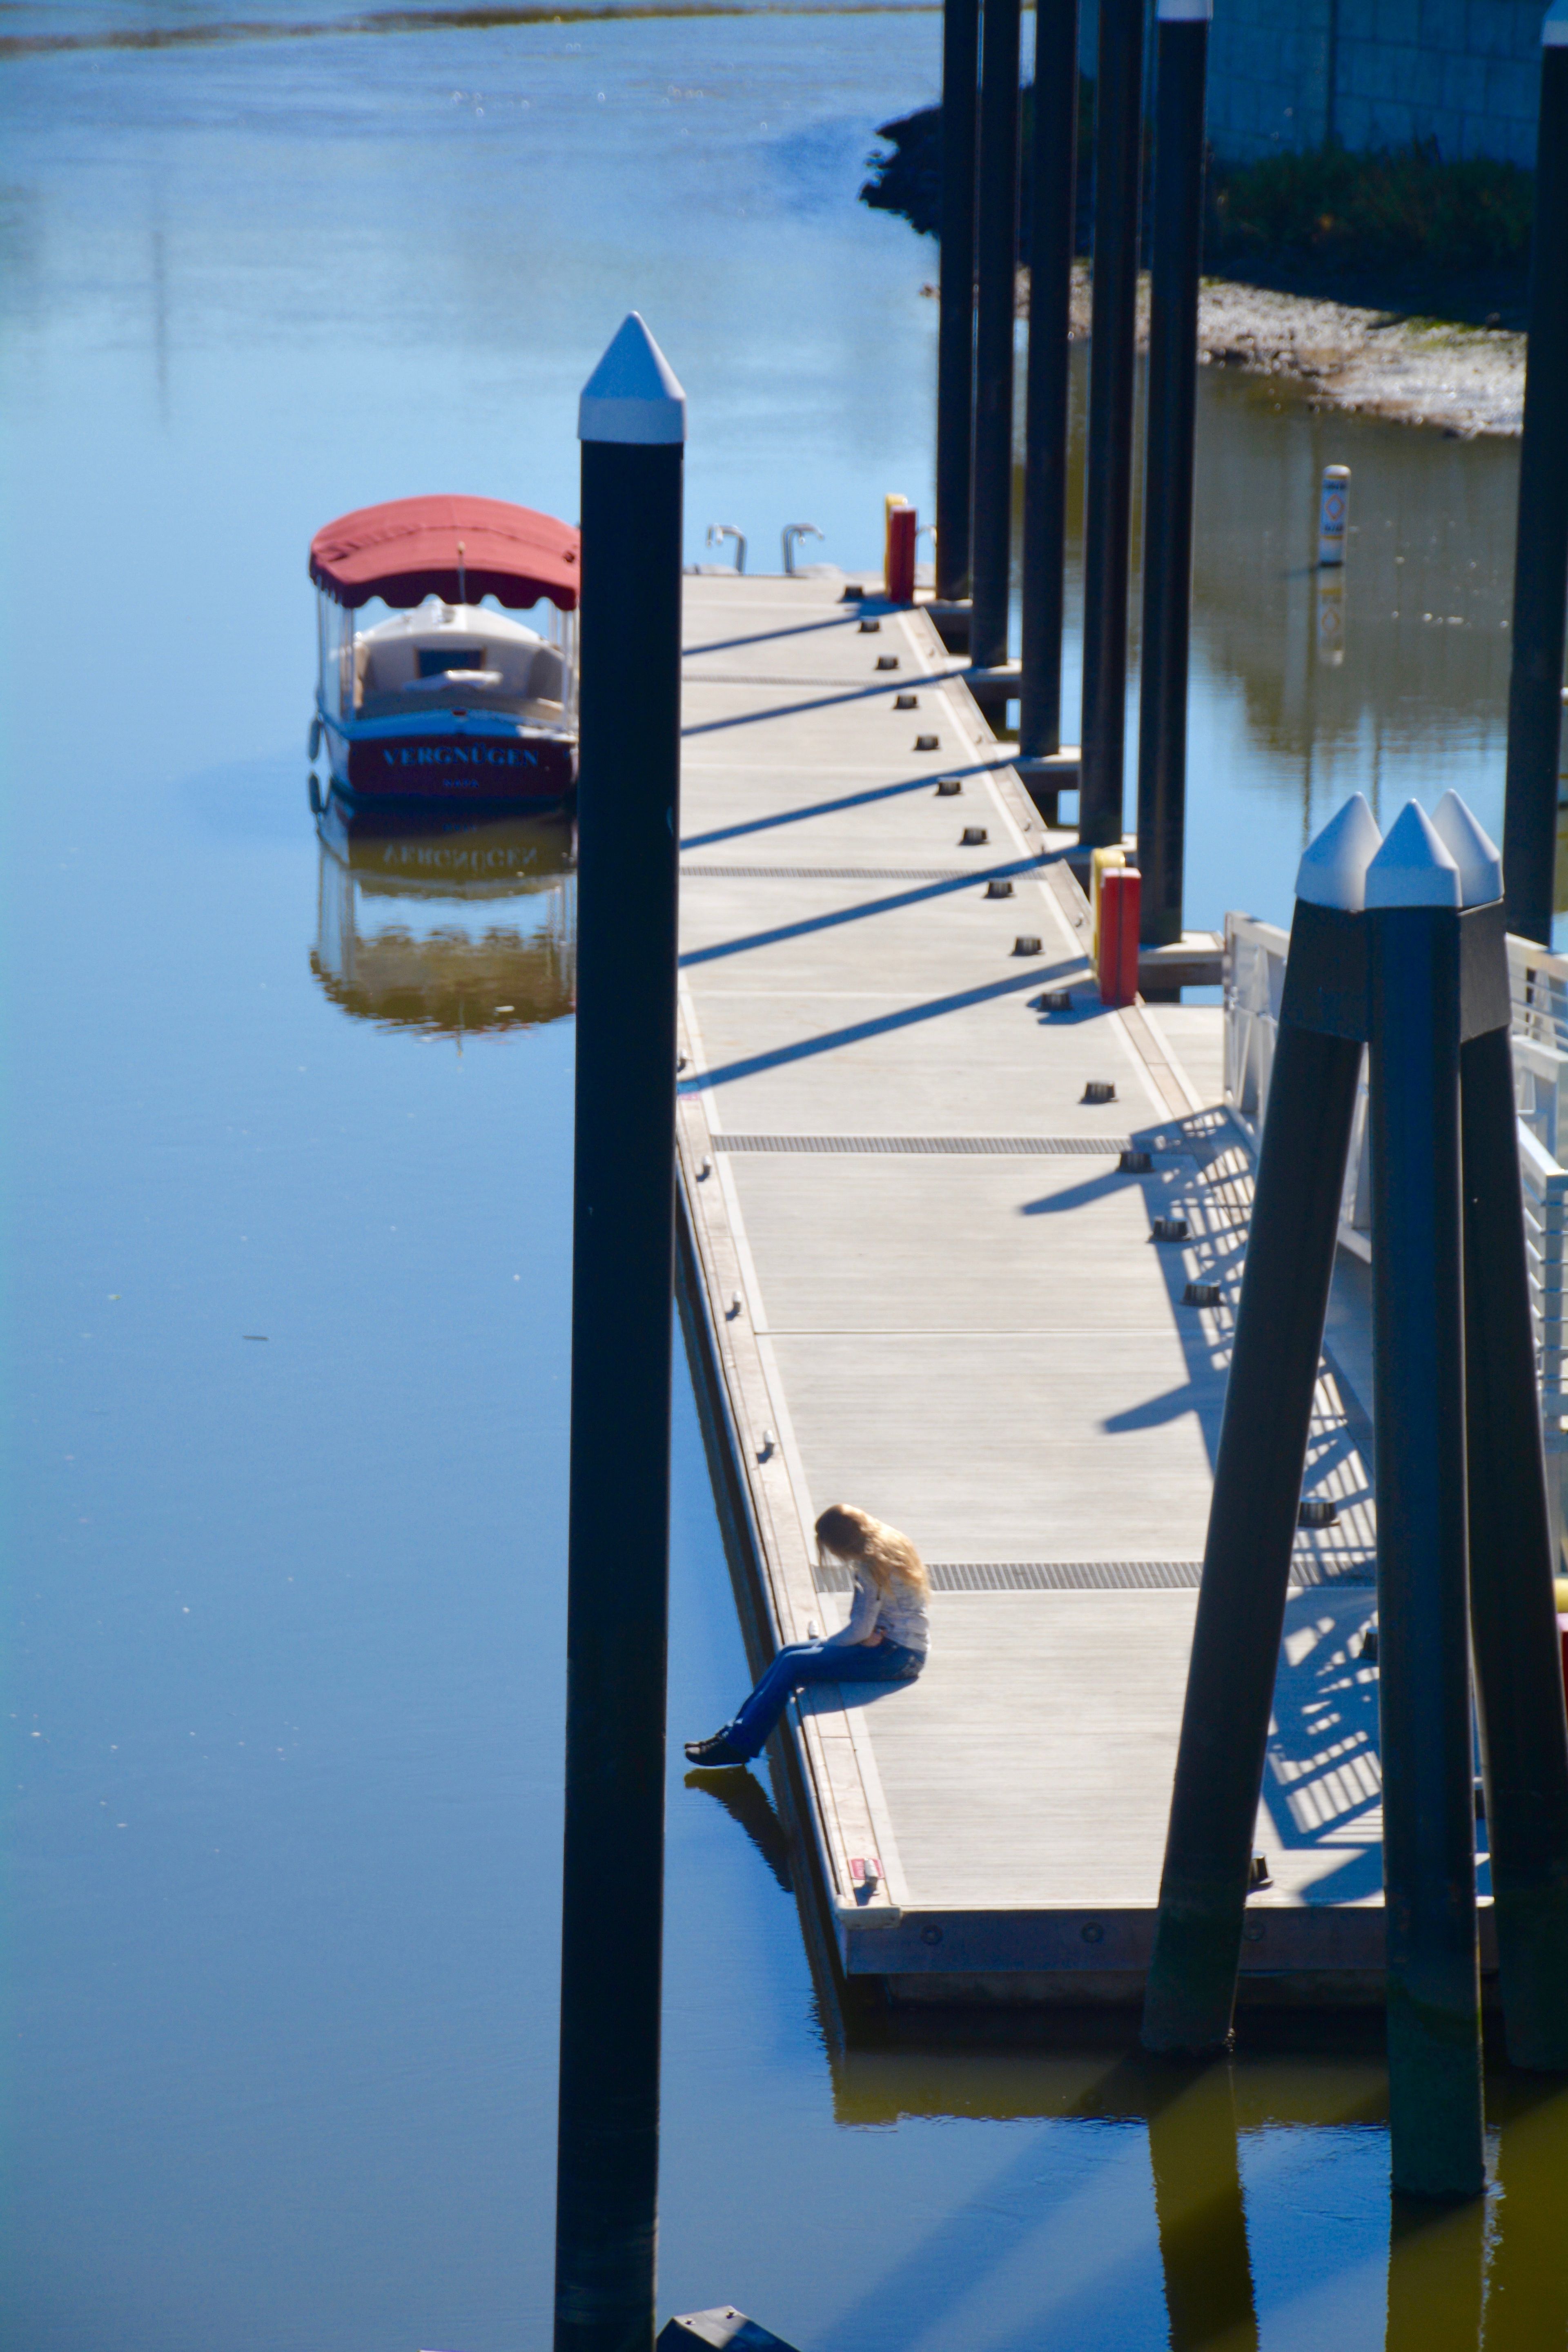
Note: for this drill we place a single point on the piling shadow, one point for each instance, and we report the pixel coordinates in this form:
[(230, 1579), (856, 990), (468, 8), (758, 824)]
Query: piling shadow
[(909, 1016), (862, 913)]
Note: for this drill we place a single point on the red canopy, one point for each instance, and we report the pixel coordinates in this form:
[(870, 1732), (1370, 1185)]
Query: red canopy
[(457, 548)]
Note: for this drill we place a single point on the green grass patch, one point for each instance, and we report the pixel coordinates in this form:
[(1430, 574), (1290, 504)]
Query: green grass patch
[(1405, 207)]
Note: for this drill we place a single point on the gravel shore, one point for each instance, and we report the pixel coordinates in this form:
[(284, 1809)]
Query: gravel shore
[(1461, 380)]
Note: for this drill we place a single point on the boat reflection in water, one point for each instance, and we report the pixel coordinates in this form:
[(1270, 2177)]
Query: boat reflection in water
[(443, 925)]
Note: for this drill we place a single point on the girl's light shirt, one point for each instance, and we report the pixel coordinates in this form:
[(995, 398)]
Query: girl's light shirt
[(899, 1615)]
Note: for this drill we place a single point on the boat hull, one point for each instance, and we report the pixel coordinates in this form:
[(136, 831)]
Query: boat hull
[(469, 764)]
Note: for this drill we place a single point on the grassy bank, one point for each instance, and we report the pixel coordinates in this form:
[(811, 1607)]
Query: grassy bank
[(1401, 228)]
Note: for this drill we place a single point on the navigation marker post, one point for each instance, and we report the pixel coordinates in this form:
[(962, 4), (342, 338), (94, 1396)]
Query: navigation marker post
[(1540, 548), (998, 278), (632, 426), (1181, 67)]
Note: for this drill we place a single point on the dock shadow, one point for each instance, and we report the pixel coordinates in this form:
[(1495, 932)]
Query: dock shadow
[(868, 908), (855, 1032), (867, 799)]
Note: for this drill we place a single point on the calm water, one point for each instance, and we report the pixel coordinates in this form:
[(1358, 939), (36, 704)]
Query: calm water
[(287, 1225)]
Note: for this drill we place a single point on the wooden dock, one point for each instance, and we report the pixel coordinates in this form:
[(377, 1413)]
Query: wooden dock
[(920, 1280)]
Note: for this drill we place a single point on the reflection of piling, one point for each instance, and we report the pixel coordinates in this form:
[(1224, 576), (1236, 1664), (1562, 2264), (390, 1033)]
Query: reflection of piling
[(632, 428), (1437, 2280), (1049, 376), (998, 279), (1111, 368), (1540, 548), (1202, 2220), (1168, 439), (1428, 1805), (955, 332), (1331, 617), (1262, 1449)]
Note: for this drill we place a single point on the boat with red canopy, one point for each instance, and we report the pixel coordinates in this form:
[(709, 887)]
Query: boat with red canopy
[(448, 696)]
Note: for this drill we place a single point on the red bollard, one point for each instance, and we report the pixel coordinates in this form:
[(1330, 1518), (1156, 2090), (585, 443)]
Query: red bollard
[(1120, 894), (899, 566)]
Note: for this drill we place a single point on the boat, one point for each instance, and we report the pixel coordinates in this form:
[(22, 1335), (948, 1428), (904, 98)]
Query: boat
[(450, 697)]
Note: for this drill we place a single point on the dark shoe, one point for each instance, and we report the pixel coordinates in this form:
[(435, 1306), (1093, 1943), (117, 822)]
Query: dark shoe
[(717, 1751)]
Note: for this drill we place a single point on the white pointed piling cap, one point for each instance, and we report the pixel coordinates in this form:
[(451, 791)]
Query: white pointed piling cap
[(1332, 872), (1475, 853), (632, 395), (1412, 868), (1554, 28)]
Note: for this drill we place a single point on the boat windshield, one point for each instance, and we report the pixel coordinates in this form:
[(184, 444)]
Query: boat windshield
[(441, 656)]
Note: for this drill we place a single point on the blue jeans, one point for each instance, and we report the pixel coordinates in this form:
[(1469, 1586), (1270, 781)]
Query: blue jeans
[(816, 1661)]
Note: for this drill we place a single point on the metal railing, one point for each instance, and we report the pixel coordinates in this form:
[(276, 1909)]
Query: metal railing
[(1254, 957)]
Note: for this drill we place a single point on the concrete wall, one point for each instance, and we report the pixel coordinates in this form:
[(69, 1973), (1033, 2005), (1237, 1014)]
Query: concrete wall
[(1375, 73)]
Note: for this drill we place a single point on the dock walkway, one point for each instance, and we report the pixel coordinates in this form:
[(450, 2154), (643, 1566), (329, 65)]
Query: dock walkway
[(929, 1288)]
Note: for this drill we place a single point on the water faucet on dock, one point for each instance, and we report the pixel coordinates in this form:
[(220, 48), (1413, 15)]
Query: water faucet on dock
[(794, 532), (719, 532)]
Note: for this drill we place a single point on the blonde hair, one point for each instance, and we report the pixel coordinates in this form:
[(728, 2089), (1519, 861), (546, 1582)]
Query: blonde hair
[(854, 1535)]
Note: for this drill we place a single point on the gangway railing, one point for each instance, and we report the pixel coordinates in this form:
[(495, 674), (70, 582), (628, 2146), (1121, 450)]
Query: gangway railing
[(1255, 954)]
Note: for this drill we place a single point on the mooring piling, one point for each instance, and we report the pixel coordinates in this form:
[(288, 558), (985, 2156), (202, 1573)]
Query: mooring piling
[(990, 561), (1191, 1989), (1540, 546), (1047, 382), (1182, 59), (1432, 1972), (632, 424), (1524, 1734), (955, 328), (1118, 140)]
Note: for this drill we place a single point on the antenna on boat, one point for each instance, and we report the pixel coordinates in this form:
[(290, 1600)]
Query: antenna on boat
[(462, 575)]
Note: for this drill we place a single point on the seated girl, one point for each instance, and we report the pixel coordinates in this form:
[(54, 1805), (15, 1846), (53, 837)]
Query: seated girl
[(885, 1641)]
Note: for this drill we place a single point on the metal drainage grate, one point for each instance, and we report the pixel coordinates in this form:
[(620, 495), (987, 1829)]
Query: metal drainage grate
[(1017, 1147), (1100, 1575)]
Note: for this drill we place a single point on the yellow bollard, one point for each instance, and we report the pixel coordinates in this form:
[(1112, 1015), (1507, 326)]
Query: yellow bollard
[(1100, 861)]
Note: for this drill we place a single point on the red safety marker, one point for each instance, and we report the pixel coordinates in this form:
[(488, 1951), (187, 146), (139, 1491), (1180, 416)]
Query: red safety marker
[(900, 555), (1121, 896)]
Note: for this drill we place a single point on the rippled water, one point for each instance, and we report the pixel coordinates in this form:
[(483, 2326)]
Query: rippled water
[(286, 1235)]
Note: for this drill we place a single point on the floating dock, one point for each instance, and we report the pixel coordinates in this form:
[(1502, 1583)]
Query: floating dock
[(920, 1276)]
